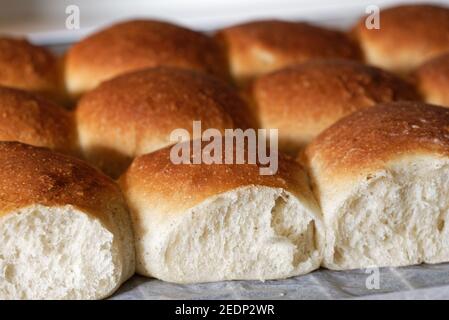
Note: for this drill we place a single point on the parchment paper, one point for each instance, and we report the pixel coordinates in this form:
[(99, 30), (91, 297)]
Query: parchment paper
[(415, 282)]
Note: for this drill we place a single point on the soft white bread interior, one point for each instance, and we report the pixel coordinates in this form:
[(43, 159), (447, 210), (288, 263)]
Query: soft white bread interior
[(382, 178), (65, 231), (202, 223)]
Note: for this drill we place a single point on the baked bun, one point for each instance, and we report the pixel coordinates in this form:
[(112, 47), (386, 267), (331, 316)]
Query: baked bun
[(29, 67), (31, 119), (259, 47), (408, 36), (214, 222), (381, 176), (303, 100), (432, 80), (64, 227), (139, 44), (136, 113)]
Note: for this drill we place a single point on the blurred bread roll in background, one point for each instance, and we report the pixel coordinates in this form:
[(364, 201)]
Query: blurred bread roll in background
[(64, 227), (432, 80), (214, 222), (258, 47), (303, 100), (29, 67), (138, 44), (31, 119), (381, 176), (408, 36), (136, 113)]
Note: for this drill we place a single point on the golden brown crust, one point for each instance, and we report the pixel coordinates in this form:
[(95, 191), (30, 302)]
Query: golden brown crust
[(178, 187), (29, 67), (432, 80), (258, 47), (303, 100), (408, 35), (138, 44), (136, 113), (367, 139), (30, 119), (32, 175)]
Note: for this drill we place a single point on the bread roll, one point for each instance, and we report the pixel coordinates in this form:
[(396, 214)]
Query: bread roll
[(303, 100), (432, 80), (139, 44), (30, 119), (64, 227), (408, 35), (381, 176), (259, 47), (29, 67), (202, 223), (135, 113)]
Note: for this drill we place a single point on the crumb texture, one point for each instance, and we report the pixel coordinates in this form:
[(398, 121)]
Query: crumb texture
[(396, 217), (56, 253), (249, 233)]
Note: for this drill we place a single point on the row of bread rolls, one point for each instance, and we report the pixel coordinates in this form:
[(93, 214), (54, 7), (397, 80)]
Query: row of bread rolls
[(409, 36), (66, 228), (378, 197), (379, 176), (135, 113)]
